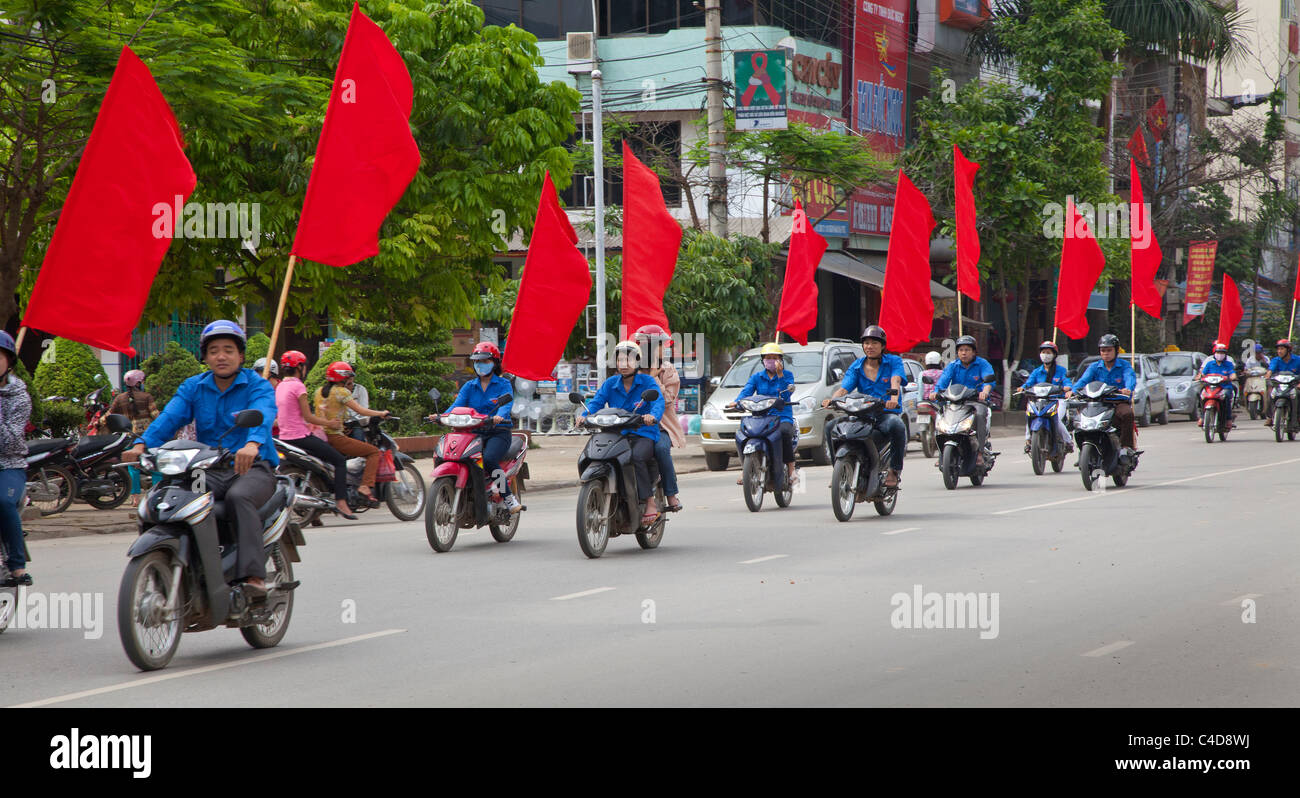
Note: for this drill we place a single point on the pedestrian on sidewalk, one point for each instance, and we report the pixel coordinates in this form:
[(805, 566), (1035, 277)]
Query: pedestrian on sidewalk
[(15, 410)]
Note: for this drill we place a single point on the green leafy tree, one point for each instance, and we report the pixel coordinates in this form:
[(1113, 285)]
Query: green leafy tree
[(69, 369), (256, 348), (166, 370), (405, 366)]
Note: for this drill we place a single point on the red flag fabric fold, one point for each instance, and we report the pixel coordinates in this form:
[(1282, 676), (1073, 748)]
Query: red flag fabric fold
[(968, 238), (1138, 146), (1230, 312), (116, 223), (553, 291), (1158, 119), (366, 155), (651, 239), (798, 312), (906, 307), (1081, 265), (1144, 250)]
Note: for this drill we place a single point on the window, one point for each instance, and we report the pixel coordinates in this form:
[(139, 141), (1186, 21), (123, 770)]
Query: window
[(542, 18), (659, 146), (499, 12), (545, 19), (805, 367)]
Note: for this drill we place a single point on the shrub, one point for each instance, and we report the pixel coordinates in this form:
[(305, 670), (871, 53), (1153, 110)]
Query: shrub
[(69, 369), (165, 371), (257, 346), (342, 349), (405, 366)]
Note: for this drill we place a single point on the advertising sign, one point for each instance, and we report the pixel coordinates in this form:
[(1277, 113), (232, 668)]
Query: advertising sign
[(1200, 276), (879, 100), (760, 89)]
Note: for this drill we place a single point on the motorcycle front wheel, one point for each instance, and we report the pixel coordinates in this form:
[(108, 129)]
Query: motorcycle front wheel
[(843, 492), (1037, 451), (278, 571), (121, 487), (1087, 455), (1279, 422), (440, 526), (752, 477), (948, 467), (593, 525), (149, 633), (1210, 422)]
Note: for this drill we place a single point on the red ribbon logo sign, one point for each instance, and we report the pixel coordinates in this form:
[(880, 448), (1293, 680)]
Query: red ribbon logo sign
[(760, 78)]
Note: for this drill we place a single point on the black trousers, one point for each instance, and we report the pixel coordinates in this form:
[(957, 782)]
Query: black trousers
[(323, 451), (787, 442), (244, 496), (643, 455)]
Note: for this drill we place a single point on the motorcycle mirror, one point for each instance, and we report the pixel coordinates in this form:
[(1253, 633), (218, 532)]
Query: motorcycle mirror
[(576, 398), (649, 395), (435, 395), (247, 419), (504, 398), (116, 422), (715, 381), (926, 378)]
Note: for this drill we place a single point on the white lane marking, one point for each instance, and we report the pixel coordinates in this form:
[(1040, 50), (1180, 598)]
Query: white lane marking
[(163, 677), (762, 559), (901, 531), (591, 592), (1237, 601), (1107, 649), (1125, 491)]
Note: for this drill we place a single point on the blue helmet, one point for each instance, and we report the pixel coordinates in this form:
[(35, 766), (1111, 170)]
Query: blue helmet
[(222, 328), (7, 345)]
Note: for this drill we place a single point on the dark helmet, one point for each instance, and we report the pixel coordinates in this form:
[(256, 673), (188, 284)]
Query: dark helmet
[(877, 332), (1109, 340), (967, 340)]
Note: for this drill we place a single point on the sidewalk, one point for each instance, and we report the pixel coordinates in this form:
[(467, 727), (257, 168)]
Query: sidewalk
[(82, 519)]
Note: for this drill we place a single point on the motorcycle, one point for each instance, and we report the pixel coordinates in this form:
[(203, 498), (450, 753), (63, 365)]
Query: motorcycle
[(1254, 390), (94, 460), (607, 501), (1286, 408), (51, 485), (458, 496), (1045, 444), (178, 576), (955, 432), (1215, 412), (1100, 454), (926, 413), (758, 441), (9, 595), (862, 454)]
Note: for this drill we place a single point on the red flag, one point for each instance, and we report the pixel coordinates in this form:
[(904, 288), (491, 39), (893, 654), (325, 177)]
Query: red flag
[(1138, 146), (552, 293), (906, 307), (366, 155), (1230, 312), (1296, 295), (1158, 119), (798, 312), (651, 238), (116, 223), (1144, 250), (968, 238), (1081, 265)]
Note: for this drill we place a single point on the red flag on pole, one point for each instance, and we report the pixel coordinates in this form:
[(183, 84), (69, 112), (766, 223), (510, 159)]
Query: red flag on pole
[(366, 155), (1230, 312), (1144, 250), (798, 312), (117, 221), (651, 238), (968, 237), (1138, 146), (1158, 119), (1296, 295), (1081, 266), (906, 307), (552, 293)]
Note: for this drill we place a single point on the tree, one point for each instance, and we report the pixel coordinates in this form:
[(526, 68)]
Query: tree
[(405, 365), (165, 371), (69, 369), (348, 351), (256, 348)]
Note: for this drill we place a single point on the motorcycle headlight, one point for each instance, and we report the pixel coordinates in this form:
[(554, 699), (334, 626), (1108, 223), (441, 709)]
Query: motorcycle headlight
[(606, 419), (175, 461), (456, 420), (757, 407), (712, 413), (856, 405), (965, 425)]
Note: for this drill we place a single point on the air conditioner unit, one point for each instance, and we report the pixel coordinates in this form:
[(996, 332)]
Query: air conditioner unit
[(579, 52)]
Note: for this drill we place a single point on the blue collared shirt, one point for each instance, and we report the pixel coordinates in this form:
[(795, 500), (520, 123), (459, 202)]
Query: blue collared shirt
[(1039, 375), (763, 384), (1292, 363), (890, 366), (1121, 375), (213, 411), (473, 396), (1226, 368), (975, 376), (612, 394)]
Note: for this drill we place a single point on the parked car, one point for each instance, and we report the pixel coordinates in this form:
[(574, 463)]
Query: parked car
[(1179, 370), (1150, 397)]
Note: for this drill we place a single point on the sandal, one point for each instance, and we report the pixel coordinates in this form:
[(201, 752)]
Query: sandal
[(674, 504), (15, 581)]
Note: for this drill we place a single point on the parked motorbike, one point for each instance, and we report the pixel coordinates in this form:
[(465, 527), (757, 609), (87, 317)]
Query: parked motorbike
[(459, 495), (1215, 410), (1100, 453), (862, 454), (51, 485), (958, 442), (1045, 444), (178, 578), (94, 461), (758, 442), (1253, 392), (607, 501), (1286, 405)]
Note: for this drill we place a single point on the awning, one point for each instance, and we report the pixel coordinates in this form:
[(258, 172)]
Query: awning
[(869, 268)]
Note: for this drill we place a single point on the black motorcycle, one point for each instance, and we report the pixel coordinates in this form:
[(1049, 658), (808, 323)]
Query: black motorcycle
[(95, 460), (178, 579), (758, 442), (1100, 453), (958, 440), (607, 502), (862, 454), (51, 485), (1286, 405)]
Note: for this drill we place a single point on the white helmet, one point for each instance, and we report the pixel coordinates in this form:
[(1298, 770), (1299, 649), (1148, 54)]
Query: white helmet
[(933, 359)]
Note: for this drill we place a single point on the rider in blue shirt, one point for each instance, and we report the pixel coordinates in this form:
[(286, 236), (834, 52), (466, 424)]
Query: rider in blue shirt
[(623, 390), (1219, 363), (975, 373), (1053, 373), (880, 375), (1283, 362), (1116, 371), (774, 379), (480, 394)]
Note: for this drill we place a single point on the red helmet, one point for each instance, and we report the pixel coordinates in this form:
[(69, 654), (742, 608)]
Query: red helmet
[(292, 359), (1220, 346), (1048, 345), (485, 350), (1284, 342), (339, 371), (651, 332)]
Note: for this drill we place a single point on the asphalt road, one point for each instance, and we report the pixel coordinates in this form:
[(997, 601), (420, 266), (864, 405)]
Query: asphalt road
[(1131, 597)]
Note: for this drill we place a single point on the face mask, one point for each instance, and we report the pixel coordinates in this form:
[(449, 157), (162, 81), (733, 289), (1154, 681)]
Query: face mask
[(1046, 357), (483, 369), (771, 363), (1220, 356)]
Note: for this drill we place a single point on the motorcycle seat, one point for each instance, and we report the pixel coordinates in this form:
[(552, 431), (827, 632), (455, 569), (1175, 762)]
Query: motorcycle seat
[(94, 443), (516, 446), (222, 511), (41, 445)]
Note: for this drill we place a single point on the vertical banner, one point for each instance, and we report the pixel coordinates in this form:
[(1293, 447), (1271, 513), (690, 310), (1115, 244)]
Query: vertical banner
[(879, 101), (760, 89), (1200, 273)]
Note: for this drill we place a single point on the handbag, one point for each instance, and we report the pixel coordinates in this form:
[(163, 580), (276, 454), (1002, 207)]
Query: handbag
[(387, 469)]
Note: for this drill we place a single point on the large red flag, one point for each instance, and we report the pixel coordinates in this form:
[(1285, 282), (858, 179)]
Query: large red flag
[(1230, 312), (1081, 266), (906, 307), (1144, 250), (552, 293), (366, 156), (968, 237), (110, 238), (798, 312), (651, 238)]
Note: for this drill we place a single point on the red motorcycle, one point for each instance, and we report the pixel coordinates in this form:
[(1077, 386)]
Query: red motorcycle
[(1215, 411), (459, 497)]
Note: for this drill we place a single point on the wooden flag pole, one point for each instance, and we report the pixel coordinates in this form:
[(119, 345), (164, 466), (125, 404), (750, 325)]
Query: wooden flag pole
[(279, 317), (1289, 327), (1133, 341), (22, 333), (959, 314)]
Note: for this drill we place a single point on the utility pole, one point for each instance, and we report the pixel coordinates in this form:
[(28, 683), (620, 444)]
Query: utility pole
[(598, 162), (717, 122)]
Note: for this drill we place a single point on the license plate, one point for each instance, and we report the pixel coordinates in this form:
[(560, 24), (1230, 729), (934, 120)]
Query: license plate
[(923, 421)]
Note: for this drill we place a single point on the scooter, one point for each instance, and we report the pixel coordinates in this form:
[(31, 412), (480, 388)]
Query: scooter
[(955, 432), (608, 505), (178, 578), (1100, 454), (1286, 408), (51, 485), (94, 461), (1254, 390), (926, 413), (459, 497), (758, 442), (1215, 411), (862, 454), (1045, 444)]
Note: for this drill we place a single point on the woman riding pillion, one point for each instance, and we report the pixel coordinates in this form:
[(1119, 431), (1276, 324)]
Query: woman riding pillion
[(1051, 372), (304, 429), (655, 341), (480, 394), (880, 375), (334, 396), (623, 391), (774, 380)]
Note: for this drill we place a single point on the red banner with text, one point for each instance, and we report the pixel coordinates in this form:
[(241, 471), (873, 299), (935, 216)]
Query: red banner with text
[(879, 100), (1200, 277)]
